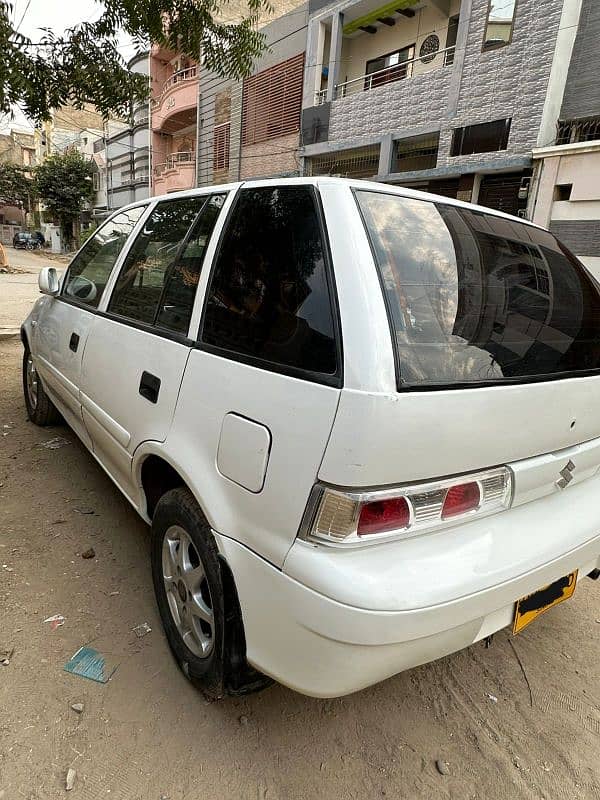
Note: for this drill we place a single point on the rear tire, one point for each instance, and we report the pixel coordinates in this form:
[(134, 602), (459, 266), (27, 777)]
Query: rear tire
[(202, 621), (40, 409)]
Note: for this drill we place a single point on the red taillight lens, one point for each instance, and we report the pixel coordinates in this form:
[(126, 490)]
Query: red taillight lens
[(383, 516), (460, 499)]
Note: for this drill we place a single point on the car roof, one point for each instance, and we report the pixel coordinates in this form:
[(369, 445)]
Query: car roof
[(325, 180)]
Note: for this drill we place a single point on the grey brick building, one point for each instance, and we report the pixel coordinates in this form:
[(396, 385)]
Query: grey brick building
[(447, 95)]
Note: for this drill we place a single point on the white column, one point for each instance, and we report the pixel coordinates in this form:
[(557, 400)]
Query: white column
[(320, 54), (335, 53), (565, 40)]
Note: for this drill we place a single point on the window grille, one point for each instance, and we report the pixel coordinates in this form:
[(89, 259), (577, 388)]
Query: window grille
[(221, 147), (416, 153), (570, 131), (361, 162)]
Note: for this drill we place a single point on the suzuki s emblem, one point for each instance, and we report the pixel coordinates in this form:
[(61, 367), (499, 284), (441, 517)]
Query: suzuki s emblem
[(567, 475)]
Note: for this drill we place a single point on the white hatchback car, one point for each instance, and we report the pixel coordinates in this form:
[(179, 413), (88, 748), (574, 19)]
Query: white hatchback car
[(361, 420)]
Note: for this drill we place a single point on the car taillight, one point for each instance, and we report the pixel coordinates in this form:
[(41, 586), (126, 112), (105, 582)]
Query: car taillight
[(383, 516), (460, 499), (346, 518)]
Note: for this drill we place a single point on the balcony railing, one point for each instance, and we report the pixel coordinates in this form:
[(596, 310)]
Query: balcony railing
[(173, 161), (183, 76), (396, 72)]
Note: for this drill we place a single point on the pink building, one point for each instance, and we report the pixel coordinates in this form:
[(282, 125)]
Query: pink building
[(174, 82)]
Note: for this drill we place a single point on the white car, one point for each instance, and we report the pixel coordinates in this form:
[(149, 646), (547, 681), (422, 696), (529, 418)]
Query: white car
[(362, 421)]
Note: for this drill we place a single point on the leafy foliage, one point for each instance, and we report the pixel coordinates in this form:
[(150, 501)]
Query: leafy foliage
[(16, 186), (64, 184), (83, 65)]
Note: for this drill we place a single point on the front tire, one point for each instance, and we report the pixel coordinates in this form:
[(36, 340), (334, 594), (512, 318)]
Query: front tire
[(40, 409)]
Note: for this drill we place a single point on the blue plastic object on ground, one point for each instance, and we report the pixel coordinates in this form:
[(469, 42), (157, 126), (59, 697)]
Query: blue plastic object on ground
[(89, 663)]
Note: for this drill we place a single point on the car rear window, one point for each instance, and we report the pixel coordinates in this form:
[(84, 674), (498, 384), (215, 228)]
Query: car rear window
[(474, 298)]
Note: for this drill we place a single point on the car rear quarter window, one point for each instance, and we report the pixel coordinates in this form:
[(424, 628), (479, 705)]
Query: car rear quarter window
[(475, 298), (269, 300)]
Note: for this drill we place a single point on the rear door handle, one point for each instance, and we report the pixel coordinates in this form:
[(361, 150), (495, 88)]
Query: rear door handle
[(150, 387), (74, 342)]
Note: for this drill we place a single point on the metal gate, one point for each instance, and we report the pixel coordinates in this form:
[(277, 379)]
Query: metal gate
[(501, 192)]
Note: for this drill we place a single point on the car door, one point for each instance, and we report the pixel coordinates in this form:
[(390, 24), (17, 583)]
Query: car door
[(260, 390), (64, 323), (137, 349)]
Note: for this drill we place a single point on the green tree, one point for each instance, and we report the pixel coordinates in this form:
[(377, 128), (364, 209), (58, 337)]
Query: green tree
[(83, 65), (64, 185), (16, 186)]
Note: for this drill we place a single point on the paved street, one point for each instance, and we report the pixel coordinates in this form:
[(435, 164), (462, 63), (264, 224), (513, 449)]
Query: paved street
[(19, 291), (518, 720)]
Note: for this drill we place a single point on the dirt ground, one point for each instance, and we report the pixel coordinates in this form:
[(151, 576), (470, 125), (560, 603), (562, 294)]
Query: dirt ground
[(147, 734)]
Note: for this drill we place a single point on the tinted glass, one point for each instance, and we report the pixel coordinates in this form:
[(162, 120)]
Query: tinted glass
[(476, 298), (91, 268), (486, 137), (154, 254), (269, 297), (180, 289)]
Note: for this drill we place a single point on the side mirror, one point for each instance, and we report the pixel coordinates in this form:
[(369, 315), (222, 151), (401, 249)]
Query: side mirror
[(48, 281)]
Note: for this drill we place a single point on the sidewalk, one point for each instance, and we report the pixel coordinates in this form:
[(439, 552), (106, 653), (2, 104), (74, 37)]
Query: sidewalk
[(19, 290)]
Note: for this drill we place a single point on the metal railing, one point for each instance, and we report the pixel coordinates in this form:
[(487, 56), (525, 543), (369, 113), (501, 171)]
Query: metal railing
[(182, 76), (174, 160), (391, 74), (572, 131)]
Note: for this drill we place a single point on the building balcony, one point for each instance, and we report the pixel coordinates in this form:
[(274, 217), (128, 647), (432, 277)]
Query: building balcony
[(391, 74), (176, 173), (370, 45), (175, 106)]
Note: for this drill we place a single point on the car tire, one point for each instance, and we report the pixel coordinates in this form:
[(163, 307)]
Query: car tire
[(197, 601), (40, 409)]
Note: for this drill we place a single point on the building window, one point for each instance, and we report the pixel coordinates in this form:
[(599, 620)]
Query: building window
[(221, 147), (499, 23), (571, 131), (96, 181), (562, 191), (389, 68), (272, 101), (416, 153), (360, 162), (451, 37), (484, 138)]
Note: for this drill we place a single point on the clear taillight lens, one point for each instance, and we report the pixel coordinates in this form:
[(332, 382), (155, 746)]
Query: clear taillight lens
[(346, 518)]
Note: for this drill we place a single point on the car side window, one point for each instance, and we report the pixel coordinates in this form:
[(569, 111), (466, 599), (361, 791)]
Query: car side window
[(175, 309), (269, 297), (158, 279), (89, 271)]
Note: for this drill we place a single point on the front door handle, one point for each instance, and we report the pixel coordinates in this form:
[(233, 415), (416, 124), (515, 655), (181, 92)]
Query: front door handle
[(74, 342), (150, 387)]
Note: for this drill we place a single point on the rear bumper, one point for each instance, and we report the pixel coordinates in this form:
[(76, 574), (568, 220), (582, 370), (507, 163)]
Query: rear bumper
[(324, 648)]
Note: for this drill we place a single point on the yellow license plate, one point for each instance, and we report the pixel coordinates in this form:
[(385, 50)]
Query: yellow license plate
[(529, 608)]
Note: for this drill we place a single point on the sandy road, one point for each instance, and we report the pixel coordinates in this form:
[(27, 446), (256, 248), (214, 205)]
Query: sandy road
[(147, 734)]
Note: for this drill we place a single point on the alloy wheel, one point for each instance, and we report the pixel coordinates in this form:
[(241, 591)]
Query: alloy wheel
[(32, 382), (187, 591)]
